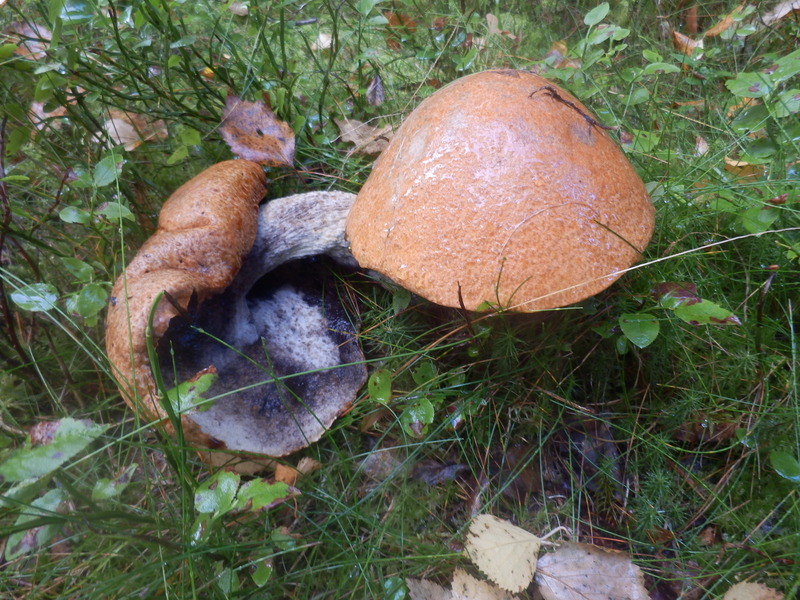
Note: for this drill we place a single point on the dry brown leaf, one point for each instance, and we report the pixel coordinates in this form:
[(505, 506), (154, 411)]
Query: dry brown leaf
[(686, 45), (376, 94), (781, 10), (466, 587), (240, 9), (289, 475), (323, 42), (505, 553), (725, 23), (746, 590), (585, 572), (130, 129), (40, 117), (743, 169), (557, 56), (700, 146), (424, 589), (32, 40), (368, 139), (253, 132)]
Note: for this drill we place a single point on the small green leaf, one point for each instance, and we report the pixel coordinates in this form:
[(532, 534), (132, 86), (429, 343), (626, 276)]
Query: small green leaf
[(401, 298), (216, 494), (660, 67), (785, 465), (749, 85), (705, 312), (637, 96), (106, 489), (258, 494), (91, 300), (364, 7), (262, 572), (183, 42), (787, 103), (227, 581), (80, 271), (642, 141), (28, 540), (424, 373), (759, 219), (652, 56), (188, 395), (71, 214), (379, 386), (416, 418), (640, 328), (114, 211), (180, 153), (106, 171), (597, 14), (35, 297), (786, 67), (7, 50), (69, 437)]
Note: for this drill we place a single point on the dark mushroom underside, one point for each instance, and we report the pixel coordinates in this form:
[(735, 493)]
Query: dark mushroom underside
[(279, 393)]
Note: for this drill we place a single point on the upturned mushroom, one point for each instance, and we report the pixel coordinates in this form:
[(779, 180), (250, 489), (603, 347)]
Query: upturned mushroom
[(283, 348), (501, 188)]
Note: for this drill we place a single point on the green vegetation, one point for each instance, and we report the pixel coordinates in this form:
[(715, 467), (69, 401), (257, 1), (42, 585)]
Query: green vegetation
[(644, 419)]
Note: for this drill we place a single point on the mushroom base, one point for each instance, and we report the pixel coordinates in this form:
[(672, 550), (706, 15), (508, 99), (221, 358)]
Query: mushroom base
[(281, 392)]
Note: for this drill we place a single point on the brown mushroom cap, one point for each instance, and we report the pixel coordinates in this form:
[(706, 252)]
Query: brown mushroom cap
[(505, 189)]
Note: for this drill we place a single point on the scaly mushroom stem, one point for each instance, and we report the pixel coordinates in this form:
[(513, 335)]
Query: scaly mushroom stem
[(289, 228)]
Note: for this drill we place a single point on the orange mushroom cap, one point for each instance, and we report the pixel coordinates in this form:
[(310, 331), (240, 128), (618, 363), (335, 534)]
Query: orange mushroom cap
[(501, 188)]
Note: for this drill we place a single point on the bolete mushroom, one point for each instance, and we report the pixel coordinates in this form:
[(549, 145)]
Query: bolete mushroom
[(501, 188), (284, 349)]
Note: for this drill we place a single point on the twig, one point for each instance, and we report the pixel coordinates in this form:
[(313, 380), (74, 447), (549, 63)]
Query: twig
[(10, 330), (553, 93)]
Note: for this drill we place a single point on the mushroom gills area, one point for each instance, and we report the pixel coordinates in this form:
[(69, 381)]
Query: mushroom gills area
[(281, 392)]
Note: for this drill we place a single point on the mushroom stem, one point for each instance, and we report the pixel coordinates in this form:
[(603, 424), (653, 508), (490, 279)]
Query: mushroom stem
[(289, 228)]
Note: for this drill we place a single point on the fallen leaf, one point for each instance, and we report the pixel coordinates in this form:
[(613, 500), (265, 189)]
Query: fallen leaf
[(398, 27), (375, 91), (253, 132), (577, 571), (41, 118), (557, 56), (368, 139), (130, 129), (240, 9), (424, 589), (700, 146), (466, 587), (746, 590), (725, 23), (743, 169), (463, 587), (686, 45), (324, 41), (781, 10), (505, 553), (32, 40), (289, 475)]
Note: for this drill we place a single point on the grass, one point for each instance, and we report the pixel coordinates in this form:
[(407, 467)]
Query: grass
[(683, 453)]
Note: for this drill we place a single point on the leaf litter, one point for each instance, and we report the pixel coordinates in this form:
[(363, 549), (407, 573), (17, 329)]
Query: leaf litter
[(253, 132)]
